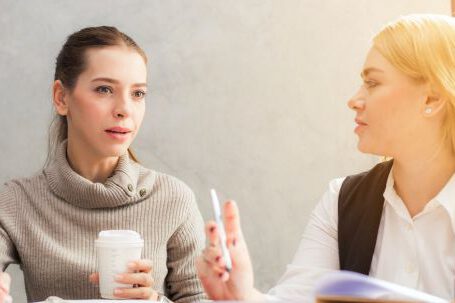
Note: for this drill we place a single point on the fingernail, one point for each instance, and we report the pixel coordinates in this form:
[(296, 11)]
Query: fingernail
[(118, 291), (217, 259), (118, 277), (131, 265)]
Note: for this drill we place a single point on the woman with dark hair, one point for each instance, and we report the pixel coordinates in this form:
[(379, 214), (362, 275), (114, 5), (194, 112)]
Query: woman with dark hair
[(92, 181)]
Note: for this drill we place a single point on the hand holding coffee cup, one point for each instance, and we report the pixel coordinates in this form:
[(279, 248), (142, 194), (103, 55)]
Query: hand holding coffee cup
[(121, 271), (141, 279)]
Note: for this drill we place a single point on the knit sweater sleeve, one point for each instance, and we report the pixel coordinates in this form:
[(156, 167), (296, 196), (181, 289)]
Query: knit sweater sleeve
[(182, 283), (8, 252)]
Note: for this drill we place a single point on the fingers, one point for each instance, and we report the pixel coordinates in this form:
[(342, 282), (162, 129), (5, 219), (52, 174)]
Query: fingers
[(209, 273), (94, 278), (214, 257), (5, 281), (5, 298), (143, 265), (211, 230), (146, 293), (211, 264), (232, 221), (141, 279), (213, 286)]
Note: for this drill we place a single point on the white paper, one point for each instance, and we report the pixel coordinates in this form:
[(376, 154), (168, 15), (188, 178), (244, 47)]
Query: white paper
[(345, 283), (59, 300)]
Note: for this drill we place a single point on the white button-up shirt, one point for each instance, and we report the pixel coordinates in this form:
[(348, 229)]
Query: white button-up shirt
[(415, 252)]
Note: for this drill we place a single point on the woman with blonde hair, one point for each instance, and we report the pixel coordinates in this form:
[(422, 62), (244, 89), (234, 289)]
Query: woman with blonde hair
[(396, 221), (92, 182)]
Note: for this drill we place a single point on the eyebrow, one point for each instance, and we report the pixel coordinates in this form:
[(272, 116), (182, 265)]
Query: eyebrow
[(368, 70), (113, 81)]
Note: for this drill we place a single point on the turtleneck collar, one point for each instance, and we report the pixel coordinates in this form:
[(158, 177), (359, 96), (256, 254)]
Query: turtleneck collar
[(130, 183)]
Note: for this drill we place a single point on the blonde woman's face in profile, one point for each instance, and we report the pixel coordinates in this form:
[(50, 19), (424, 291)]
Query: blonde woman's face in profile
[(388, 107), (107, 105)]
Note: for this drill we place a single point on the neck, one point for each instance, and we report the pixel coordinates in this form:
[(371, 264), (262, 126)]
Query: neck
[(419, 177), (88, 164)]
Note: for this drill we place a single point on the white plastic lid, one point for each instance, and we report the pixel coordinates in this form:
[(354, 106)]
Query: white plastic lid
[(110, 237)]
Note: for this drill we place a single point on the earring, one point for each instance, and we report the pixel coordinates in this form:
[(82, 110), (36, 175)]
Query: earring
[(428, 110)]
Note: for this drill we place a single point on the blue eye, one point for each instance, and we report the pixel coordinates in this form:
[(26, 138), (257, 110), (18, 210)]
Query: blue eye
[(104, 90)]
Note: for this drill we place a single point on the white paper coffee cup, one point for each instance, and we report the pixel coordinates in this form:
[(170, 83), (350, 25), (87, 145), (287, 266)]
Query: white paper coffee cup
[(114, 250)]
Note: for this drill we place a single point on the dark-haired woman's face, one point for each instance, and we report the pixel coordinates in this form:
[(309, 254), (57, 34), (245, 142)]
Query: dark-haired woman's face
[(106, 107)]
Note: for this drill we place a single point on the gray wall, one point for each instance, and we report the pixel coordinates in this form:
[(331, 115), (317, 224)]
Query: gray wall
[(247, 96)]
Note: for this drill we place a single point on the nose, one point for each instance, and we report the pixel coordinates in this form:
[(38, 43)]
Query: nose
[(122, 107), (357, 102)]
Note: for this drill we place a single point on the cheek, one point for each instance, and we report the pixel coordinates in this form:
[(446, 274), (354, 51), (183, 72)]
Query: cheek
[(393, 112), (139, 113), (87, 111)]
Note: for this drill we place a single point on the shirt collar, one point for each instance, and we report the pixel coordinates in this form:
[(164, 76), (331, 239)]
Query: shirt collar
[(445, 198), (393, 200)]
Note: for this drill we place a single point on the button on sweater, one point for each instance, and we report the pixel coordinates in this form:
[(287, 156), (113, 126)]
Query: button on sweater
[(49, 223)]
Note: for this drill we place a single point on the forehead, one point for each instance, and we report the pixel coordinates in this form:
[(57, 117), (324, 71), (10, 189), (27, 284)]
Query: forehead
[(121, 63), (376, 62), (379, 67)]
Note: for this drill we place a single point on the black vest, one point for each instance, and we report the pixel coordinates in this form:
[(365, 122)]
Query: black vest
[(360, 204)]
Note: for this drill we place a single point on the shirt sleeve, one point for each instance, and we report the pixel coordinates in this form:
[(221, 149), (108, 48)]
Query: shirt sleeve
[(8, 252), (317, 253), (182, 282)]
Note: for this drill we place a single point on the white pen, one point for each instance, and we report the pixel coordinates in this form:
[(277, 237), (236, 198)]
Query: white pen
[(221, 230)]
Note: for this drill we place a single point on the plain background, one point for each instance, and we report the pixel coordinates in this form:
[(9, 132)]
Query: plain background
[(246, 96)]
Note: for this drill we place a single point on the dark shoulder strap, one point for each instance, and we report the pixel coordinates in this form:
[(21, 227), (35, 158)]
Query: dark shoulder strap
[(360, 204)]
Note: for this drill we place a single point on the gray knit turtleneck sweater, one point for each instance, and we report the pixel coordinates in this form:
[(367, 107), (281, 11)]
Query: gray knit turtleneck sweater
[(49, 222)]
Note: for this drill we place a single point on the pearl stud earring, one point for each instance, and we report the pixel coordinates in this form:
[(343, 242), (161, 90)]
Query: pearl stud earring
[(428, 110)]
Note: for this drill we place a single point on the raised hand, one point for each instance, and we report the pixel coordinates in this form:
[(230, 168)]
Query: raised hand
[(219, 284)]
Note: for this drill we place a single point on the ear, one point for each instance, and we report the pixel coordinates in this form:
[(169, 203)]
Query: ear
[(60, 98), (434, 103)]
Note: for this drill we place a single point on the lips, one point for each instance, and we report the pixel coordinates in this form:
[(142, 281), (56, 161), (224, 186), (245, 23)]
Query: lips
[(360, 122), (119, 134), (118, 130), (360, 126)]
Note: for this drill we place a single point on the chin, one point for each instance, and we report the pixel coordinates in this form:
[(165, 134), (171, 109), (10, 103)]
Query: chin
[(372, 150), (365, 148), (114, 150)]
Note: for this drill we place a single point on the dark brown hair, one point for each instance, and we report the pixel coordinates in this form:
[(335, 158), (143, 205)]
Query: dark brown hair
[(71, 62)]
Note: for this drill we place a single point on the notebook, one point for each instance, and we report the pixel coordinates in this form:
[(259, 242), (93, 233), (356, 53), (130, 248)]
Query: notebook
[(345, 286)]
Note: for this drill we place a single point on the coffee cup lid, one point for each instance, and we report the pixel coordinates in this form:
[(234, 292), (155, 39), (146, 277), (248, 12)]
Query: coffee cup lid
[(119, 236)]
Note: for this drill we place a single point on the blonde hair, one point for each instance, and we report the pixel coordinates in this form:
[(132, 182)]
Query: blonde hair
[(423, 47)]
